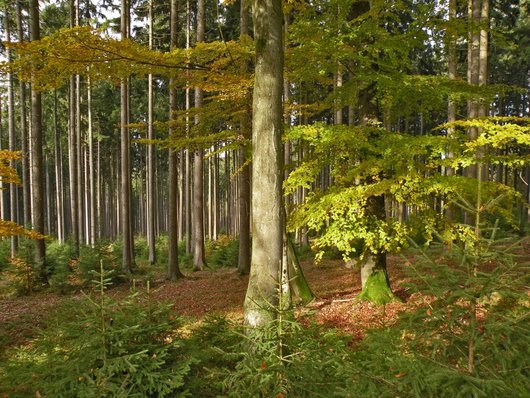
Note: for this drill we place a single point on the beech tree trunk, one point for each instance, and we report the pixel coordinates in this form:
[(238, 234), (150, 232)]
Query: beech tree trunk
[(266, 271)]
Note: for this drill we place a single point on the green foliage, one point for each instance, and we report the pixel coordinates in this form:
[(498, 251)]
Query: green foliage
[(20, 275), (223, 252), (285, 359), (369, 162), (99, 346)]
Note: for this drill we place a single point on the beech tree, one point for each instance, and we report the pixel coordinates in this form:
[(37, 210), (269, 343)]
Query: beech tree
[(267, 265)]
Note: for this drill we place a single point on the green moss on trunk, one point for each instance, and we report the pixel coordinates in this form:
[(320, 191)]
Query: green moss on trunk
[(376, 289)]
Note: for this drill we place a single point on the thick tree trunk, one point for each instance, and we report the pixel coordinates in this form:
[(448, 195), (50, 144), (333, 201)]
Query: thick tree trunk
[(262, 297), (374, 278)]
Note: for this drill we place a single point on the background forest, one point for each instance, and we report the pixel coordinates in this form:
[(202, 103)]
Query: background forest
[(278, 199)]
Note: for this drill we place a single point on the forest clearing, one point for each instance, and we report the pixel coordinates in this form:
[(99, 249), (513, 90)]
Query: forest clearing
[(265, 198)]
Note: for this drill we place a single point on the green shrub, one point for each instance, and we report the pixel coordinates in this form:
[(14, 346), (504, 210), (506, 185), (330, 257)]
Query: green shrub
[(223, 252), (101, 347)]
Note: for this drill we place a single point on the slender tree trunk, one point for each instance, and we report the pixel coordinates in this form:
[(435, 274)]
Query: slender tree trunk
[(125, 210), (91, 177), (267, 270), (72, 154), (451, 68), (13, 197), (245, 169), (26, 179), (199, 260), (151, 201), (187, 152), (473, 68), (173, 271), (37, 158), (58, 172)]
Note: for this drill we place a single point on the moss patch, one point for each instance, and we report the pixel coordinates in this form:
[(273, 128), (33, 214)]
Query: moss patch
[(377, 290)]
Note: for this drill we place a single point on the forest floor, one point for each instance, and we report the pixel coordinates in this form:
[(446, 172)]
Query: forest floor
[(222, 291)]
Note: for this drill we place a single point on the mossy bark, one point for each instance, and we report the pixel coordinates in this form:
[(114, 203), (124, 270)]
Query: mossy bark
[(376, 289), (374, 279), (299, 286)]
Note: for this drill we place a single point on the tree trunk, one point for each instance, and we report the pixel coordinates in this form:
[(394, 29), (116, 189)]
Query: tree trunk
[(36, 159), (58, 172), (262, 297), (374, 278), (90, 163), (199, 260), (13, 197), (173, 271), (72, 154), (26, 179), (243, 265), (151, 207), (125, 209)]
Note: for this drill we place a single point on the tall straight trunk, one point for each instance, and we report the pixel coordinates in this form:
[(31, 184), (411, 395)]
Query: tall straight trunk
[(91, 175), (244, 175), (125, 205), (473, 68), (151, 201), (58, 172), (13, 197), (26, 179), (268, 224), (79, 158), (188, 160), (72, 153), (483, 53), (173, 271), (37, 159), (199, 260), (451, 69), (98, 192)]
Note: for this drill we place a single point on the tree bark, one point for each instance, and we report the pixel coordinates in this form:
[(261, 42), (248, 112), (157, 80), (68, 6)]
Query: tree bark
[(37, 158), (262, 296), (125, 210), (245, 169), (199, 260), (26, 178), (173, 271), (151, 202), (13, 197), (72, 154)]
